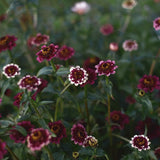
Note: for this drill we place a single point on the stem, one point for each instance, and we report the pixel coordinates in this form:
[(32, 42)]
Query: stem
[(106, 157), (49, 153), (53, 66), (123, 138), (35, 108), (12, 153), (56, 109), (86, 108), (154, 63), (65, 89), (10, 55)]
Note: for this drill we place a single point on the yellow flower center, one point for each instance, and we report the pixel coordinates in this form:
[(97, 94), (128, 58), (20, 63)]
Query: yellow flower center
[(46, 50), (36, 135), (55, 129), (3, 41), (148, 82), (115, 117)]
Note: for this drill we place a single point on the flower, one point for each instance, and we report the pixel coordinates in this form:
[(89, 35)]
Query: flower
[(11, 70), (65, 53), (38, 138), (106, 68), (42, 85), (75, 155), (91, 62), (153, 128), (140, 142), (47, 52), (7, 42), (148, 83), (39, 39), (77, 76), (106, 29), (130, 100), (59, 130), (156, 24), (130, 45), (113, 46), (78, 133), (90, 141), (0, 100), (29, 82), (3, 17), (3, 150), (81, 7), (18, 99), (17, 136), (129, 4), (92, 76), (119, 119), (157, 152)]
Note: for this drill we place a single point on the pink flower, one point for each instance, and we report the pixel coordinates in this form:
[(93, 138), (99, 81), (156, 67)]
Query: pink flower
[(129, 4), (130, 45), (92, 76), (39, 39), (3, 150), (17, 136), (42, 85), (77, 76), (91, 62), (18, 99), (106, 68), (119, 119), (7, 42), (106, 29), (153, 129), (78, 133), (113, 46), (11, 70), (140, 142), (90, 141), (149, 83), (157, 152), (38, 138), (47, 52), (29, 82), (65, 53), (130, 100), (59, 130), (156, 24), (81, 7)]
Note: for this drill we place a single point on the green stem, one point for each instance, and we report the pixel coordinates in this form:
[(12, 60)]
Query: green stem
[(86, 108), (53, 66), (49, 153), (10, 55), (12, 153), (123, 138), (35, 108), (106, 157), (65, 88), (56, 109)]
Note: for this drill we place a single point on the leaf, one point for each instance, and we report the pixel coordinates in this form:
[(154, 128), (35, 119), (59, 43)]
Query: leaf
[(6, 123), (86, 151), (46, 102), (45, 71), (21, 130), (62, 71), (58, 156)]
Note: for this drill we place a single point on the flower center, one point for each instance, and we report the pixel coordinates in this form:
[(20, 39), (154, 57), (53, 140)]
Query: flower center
[(130, 44), (11, 70), (115, 117), (39, 38), (55, 129), (80, 134), (105, 66), (36, 135), (140, 141), (158, 21), (129, 3), (30, 80), (92, 60), (3, 40), (148, 82), (19, 97), (78, 74), (93, 142), (64, 52), (46, 50)]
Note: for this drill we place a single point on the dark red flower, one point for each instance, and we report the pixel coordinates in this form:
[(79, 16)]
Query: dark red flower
[(149, 83), (153, 128), (17, 136), (106, 29), (65, 53), (119, 119), (91, 62), (78, 133), (157, 152), (7, 42), (130, 100), (38, 138), (59, 130), (3, 150), (40, 88), (47, 52), (18, 99)]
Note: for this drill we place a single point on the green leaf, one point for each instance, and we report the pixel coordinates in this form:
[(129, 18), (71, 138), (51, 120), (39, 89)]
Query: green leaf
[(58, 156), (21, 130), (6, 123), (45, 71), (62, 71), (86, 151), (46, 102)]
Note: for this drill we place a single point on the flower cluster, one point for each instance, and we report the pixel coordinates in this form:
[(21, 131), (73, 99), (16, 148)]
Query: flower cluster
[(11, 70), (140, 142), (148, 83), (7, 42)]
